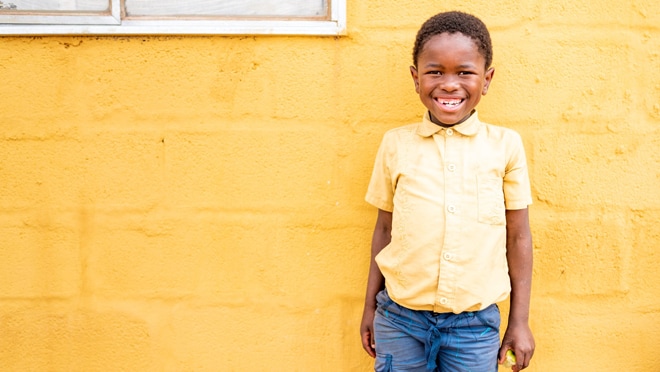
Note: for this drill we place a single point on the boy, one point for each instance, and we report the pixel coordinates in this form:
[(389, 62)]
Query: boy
[(452, 235)]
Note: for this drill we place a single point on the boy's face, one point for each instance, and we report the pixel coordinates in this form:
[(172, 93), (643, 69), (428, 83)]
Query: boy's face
[(451, 77)]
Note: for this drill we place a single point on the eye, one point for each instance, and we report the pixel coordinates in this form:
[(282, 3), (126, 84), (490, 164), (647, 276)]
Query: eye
[(464, 73), (434, 73)]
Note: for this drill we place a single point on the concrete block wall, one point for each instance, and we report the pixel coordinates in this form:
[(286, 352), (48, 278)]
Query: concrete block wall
[(196, 203)]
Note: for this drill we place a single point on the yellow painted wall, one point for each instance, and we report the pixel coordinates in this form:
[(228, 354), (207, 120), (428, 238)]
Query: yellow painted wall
[(196, 203)]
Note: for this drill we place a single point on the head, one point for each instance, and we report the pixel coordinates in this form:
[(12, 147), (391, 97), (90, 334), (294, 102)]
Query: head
[(455, 22), (451, 70)]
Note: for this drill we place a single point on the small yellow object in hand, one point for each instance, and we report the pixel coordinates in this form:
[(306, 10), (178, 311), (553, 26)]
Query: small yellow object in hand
[(510, 359)]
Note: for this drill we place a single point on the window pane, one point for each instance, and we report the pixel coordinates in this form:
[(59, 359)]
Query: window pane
[(167, 17), (232, 8), (56, 5)]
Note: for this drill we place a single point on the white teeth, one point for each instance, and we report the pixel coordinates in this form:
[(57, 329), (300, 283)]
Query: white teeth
[(452, 102)]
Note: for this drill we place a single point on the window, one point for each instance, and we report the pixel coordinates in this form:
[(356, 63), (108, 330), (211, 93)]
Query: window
[(219, 17)]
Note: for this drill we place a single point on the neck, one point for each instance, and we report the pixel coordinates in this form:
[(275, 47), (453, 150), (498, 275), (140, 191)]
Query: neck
[(437, 122)]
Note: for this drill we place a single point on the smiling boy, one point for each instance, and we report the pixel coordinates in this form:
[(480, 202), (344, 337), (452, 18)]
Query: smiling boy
[(452, 235)]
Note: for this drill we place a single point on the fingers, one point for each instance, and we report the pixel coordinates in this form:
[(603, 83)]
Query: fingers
[(523, 358), (368, 344), (502, 354), (521, 342)]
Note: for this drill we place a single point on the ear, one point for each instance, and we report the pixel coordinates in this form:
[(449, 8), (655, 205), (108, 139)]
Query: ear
[(415, 76), (488, 77)]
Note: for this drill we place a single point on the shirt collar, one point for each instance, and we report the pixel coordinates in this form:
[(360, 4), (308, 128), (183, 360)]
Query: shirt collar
[(469, 127)]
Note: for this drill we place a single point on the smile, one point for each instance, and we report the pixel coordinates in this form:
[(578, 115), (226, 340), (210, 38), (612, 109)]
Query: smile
[(449, 103)]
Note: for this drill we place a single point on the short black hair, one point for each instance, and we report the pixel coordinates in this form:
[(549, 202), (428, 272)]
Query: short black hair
[(453, 22)]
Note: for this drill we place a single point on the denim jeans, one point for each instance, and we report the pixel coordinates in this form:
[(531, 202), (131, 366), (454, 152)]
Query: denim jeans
[(421, 341)]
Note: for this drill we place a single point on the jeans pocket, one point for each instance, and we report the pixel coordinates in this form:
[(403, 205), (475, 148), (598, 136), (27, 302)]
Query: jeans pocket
[(383, 300), (383, 363), (490, 317)]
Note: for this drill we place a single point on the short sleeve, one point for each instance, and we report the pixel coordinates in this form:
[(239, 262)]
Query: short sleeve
[(517, 190), (380, 192)]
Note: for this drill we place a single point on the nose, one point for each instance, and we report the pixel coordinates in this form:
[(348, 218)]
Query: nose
[(449, 83)]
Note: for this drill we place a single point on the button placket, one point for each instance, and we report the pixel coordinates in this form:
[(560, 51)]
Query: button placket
[(452, 188)]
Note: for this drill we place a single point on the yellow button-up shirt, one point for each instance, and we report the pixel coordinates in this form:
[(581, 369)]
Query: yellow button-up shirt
[(447, 189)]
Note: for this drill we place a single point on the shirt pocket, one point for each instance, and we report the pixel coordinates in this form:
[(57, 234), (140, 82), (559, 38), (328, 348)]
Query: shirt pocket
[(490, 200)]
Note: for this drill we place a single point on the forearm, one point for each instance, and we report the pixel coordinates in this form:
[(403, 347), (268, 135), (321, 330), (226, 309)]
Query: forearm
[(375, 284), (519, 258), (518, 336), (375, 281), (381, 238)]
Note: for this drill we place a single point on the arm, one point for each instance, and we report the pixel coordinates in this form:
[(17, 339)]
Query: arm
[(375, 282), (518, 336)]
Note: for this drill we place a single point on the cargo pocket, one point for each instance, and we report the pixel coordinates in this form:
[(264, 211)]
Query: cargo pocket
[(491, 200), (383, 363)]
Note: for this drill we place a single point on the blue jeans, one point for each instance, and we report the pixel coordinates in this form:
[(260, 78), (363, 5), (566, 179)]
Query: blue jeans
[(410, 340)]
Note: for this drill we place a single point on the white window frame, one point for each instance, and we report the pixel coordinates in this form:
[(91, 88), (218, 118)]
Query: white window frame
[(115, 23)]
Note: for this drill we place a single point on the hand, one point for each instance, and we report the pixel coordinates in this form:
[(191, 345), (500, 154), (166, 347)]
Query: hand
[(519, 339), (367, 332)]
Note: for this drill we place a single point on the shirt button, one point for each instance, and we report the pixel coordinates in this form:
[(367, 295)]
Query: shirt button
[(450, 132), (443, 301), (451, 209), (451, 167), (447, 256)]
